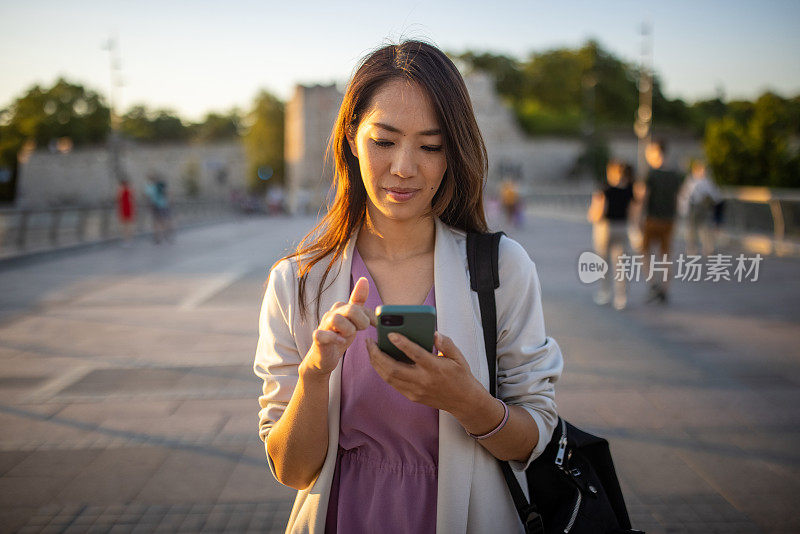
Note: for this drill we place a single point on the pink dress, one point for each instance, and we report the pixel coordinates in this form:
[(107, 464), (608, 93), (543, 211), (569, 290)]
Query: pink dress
[(386, 466)]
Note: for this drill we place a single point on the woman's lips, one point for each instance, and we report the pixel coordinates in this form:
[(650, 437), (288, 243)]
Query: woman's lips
[(401, 195)]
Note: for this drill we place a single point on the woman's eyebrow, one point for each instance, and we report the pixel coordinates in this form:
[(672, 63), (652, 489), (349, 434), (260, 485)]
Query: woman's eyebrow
[(431, 131)]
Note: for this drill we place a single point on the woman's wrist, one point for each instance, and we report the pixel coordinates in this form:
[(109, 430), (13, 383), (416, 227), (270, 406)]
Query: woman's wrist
[(481, 413), (310, 374), (496, 429)]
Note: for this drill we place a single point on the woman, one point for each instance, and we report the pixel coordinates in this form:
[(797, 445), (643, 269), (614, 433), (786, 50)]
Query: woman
[(372, 444), (696, 201), (609, 212)]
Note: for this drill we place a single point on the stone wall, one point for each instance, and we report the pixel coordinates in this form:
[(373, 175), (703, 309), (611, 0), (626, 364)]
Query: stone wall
[(83, 176)]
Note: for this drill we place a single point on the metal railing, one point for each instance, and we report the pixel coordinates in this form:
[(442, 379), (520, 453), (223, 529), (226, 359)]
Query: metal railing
[(764, 219), (25, 230)]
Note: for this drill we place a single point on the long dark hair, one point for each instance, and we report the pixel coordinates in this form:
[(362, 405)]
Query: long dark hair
[(459, 199)]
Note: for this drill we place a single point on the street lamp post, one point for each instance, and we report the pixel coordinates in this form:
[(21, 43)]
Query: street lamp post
[(114, 93), (642, 125)]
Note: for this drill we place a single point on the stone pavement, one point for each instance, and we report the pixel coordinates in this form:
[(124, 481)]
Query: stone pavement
[(128, 401)]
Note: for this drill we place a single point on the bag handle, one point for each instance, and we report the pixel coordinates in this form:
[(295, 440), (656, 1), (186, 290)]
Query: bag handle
[(484, 278)]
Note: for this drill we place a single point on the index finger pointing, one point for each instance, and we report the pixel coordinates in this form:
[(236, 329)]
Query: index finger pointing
[(360, 291)]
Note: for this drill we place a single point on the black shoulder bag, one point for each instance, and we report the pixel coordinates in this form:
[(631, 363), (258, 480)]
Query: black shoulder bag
[(573, 485)]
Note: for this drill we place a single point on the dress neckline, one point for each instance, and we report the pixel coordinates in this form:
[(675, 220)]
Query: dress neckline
[(372, 286)]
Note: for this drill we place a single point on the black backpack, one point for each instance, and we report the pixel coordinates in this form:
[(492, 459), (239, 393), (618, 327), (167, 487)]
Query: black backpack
[(573, 484)]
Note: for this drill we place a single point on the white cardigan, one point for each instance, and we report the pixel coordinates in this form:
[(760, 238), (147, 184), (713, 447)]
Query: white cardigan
[(472, 495)]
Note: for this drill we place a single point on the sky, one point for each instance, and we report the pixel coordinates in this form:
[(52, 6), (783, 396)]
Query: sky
[(198, 56)]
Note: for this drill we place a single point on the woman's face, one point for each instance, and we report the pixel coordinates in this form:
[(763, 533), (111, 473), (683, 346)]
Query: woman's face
[(399, 149)]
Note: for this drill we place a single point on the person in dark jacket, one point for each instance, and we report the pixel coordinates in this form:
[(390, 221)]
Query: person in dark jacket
[(658, 194)]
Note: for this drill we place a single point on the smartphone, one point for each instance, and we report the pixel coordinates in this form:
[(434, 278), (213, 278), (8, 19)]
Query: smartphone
[(417, 323)]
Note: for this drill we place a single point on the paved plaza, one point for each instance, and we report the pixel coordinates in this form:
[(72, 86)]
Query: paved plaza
[(128, 401)]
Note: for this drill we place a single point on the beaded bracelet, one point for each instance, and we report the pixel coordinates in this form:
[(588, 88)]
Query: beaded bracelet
[(498, 427)]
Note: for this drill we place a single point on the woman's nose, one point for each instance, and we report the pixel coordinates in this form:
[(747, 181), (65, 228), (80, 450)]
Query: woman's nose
[(404, 164)]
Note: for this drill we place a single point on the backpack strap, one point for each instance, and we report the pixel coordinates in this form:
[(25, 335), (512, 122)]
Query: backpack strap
[(484, 278)]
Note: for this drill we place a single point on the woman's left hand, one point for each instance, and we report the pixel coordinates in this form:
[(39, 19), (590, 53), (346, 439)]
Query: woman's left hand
[(443, 382)]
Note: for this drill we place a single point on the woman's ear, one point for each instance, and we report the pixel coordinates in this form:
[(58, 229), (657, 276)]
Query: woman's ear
[(352, 143)]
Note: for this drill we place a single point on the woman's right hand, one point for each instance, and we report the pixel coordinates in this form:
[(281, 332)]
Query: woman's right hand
[(337, 330)]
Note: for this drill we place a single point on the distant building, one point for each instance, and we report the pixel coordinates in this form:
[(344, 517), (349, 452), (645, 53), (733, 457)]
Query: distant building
[(81, 176), (310, 115), (505, 141)]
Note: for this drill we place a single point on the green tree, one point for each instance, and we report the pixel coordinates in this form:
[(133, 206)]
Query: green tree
[(505, 70), (616, 96), (727, 153), (11, 141), (793, 114), (135, 124), (556, 91), (751, 144), (167, 126), (264, 140), (42, 115), (218, 126), (554, 79), (63, 110), (702, 111), (141, 124)]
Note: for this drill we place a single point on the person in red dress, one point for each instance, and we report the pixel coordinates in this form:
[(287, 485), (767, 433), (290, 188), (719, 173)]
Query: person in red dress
[(125, 210)]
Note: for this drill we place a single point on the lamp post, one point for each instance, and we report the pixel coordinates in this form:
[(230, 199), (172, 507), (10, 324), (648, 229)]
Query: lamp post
[(642, 125), (114, 93)]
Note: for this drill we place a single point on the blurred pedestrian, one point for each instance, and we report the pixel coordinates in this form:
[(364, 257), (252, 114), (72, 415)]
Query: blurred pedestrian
[(156, 192), (275, 200), (165, 210), (609, 213), (125, 211), (696, 201), (658, 194), (509, 198), (718, 217)]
